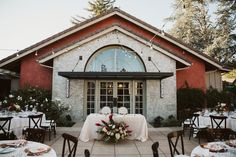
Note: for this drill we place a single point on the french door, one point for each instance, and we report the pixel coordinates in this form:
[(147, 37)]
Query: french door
[(114, 94)]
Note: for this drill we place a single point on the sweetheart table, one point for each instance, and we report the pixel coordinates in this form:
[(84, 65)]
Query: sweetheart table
[(137, 124)]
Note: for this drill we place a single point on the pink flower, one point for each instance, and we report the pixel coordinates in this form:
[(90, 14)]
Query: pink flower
[(98, 124)]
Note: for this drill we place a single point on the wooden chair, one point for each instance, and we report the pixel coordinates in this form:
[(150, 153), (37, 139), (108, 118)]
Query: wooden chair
[(187, 116), (155, 147), (5, 128), (86, 153), (216, 121), (35, 134), (71, 143), (173, 140), (49, 126), (35, 120), (195, 127)]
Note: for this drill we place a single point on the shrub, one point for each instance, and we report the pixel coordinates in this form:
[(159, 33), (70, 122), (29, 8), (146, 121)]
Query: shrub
[(170, 121), (29, 98), (190, 98), (212, 97)]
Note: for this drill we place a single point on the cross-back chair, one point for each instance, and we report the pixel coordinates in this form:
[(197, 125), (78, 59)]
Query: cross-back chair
[(35, 134), (173, 140), (71, 143), (5, 127), (155, 147), (35, 120), (218, 121), (49, 126), (195, 127)]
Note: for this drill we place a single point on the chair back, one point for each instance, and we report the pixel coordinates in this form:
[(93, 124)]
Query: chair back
[(194, 122), (5, 126), (69, 142), (35, 120), (106, 110), (123, 110), (173, 140), (218, 121), (86, 153), (155, 147), (35, 134)]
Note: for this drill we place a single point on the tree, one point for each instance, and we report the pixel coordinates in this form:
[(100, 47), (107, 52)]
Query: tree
[(96, 8), (211, 33)]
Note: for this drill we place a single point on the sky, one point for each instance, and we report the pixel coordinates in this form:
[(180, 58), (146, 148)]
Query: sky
[(26, 22)]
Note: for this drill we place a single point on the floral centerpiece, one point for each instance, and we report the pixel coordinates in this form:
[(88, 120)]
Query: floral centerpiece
[(221, 107), (113, 132)]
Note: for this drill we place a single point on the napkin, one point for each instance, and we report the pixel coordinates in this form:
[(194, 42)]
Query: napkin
[(38, 151), (16, 143)]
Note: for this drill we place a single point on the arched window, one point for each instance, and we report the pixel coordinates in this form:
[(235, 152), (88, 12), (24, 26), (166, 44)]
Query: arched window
[(115, 59)]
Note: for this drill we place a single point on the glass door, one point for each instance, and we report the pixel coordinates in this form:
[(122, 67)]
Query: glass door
[(129, 94), (123, 95)]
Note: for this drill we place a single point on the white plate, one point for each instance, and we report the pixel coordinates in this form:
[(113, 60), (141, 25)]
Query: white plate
[(7, 150)]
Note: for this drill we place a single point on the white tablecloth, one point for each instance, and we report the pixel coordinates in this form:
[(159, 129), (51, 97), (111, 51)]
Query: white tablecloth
[(31, 146), (204, 152), (137, 123), (20, 121), (205, 120)]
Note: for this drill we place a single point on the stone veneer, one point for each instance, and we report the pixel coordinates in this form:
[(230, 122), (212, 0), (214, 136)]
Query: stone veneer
[(155, 105)]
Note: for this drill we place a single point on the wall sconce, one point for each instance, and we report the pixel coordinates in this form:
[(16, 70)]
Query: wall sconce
[(161, 89)]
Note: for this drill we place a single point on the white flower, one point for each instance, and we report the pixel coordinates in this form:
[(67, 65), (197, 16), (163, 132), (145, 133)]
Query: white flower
[(41, 105), (5, 101), (117, 135), (31, 98), (112, 134), (31, 106), (104, 129), (19, 98), (113, 127), (46, 99), (223, 104), (121, 131), (11, 96)]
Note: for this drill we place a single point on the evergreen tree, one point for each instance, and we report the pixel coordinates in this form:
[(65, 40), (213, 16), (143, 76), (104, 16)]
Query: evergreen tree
[(96, 8), (211, 34)]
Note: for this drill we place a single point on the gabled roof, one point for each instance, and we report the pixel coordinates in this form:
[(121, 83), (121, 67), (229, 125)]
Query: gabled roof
[(17, 56), (114, 28)]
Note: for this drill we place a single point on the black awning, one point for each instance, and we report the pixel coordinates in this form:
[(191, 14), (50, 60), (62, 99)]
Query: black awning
[(116, 75)]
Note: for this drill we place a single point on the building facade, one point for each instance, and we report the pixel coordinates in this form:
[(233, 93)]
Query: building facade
[(114, 60)]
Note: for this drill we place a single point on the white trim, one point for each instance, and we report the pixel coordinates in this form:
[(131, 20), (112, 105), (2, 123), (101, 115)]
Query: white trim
[(104, 33), (104, 17), (57, 38), (179, 69), (171, 40)]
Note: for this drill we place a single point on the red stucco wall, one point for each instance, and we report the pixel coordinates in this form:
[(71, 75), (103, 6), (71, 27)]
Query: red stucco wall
[(34, 74)]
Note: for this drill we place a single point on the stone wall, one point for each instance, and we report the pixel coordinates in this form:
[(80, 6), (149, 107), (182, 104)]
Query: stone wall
[(155, 104)]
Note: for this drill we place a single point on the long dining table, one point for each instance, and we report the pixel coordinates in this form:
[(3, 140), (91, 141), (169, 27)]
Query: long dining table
[(20, 121), (204, 119), (214, 149), (137, 124), (23, 148)]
